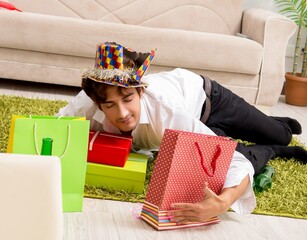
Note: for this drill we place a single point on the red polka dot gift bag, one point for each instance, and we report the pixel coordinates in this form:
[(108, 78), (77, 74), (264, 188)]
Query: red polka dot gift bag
[(184, 163)]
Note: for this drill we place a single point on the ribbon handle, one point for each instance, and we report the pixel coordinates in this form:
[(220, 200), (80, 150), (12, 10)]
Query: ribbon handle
[(213, 162), (67, 142)]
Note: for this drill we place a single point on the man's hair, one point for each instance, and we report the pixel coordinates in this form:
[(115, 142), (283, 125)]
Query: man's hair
[(97, 91)]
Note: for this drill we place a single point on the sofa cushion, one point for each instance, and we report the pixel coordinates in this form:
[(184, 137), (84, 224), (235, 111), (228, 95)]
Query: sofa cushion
[(173, 14), (77, 37)]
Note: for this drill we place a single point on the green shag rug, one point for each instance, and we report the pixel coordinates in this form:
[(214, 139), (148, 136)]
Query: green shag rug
[(287, 196)]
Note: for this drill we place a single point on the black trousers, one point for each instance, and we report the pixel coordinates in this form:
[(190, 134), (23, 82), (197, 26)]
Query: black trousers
[(232, 116)]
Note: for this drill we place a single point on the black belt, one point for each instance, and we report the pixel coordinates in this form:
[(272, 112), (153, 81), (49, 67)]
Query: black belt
[(207, 86)]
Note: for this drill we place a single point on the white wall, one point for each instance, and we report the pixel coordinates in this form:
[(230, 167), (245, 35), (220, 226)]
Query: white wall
[(267, 4)]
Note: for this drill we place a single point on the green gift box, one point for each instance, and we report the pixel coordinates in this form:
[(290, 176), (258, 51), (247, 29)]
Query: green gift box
[(129, 178)]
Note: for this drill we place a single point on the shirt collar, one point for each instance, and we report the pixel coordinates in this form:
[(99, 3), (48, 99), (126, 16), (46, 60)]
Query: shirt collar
[(99, 116)]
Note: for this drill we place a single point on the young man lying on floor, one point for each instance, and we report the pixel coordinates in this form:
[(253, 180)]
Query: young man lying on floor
[(115, 100)]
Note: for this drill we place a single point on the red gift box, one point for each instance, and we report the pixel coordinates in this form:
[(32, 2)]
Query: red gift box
[(185, 162), (108, 148)]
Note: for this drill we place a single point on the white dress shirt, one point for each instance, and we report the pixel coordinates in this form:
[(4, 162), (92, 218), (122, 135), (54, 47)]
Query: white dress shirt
[(172, 100)]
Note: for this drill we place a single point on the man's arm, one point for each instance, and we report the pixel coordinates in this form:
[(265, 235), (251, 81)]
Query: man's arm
[(237, 191), (212, 205)]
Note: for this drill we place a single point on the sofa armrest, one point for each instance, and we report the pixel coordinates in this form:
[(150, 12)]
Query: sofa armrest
[(272, 31), (260, 25)]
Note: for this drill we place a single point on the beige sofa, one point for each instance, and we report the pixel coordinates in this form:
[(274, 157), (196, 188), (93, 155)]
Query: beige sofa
[(51, 40)]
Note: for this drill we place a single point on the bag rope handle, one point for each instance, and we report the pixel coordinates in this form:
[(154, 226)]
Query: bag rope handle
[(213, 162), (93, 140), (67, 143)]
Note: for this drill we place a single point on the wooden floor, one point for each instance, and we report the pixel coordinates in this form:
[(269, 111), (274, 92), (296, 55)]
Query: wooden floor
[(103, 219)]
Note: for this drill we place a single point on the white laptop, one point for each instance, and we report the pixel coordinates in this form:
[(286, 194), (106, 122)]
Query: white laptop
[(31, 197)]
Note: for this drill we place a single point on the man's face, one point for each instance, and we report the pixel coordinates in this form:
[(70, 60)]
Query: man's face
[(122, 108)]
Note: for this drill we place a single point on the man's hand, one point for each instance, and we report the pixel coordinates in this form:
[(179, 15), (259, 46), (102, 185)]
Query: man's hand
[(211, 206)]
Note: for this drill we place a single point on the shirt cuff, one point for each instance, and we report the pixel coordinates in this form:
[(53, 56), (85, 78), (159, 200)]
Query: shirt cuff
[(239, 169)]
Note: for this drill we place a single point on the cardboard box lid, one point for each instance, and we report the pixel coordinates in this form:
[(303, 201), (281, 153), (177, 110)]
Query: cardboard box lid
[(134, 169)]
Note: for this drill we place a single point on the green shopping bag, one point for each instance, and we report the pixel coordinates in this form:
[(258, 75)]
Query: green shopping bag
[(70, 144)]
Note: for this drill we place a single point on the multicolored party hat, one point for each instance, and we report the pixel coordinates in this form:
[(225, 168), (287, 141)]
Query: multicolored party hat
[(143, 68), (119, 66), (109, 56)]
